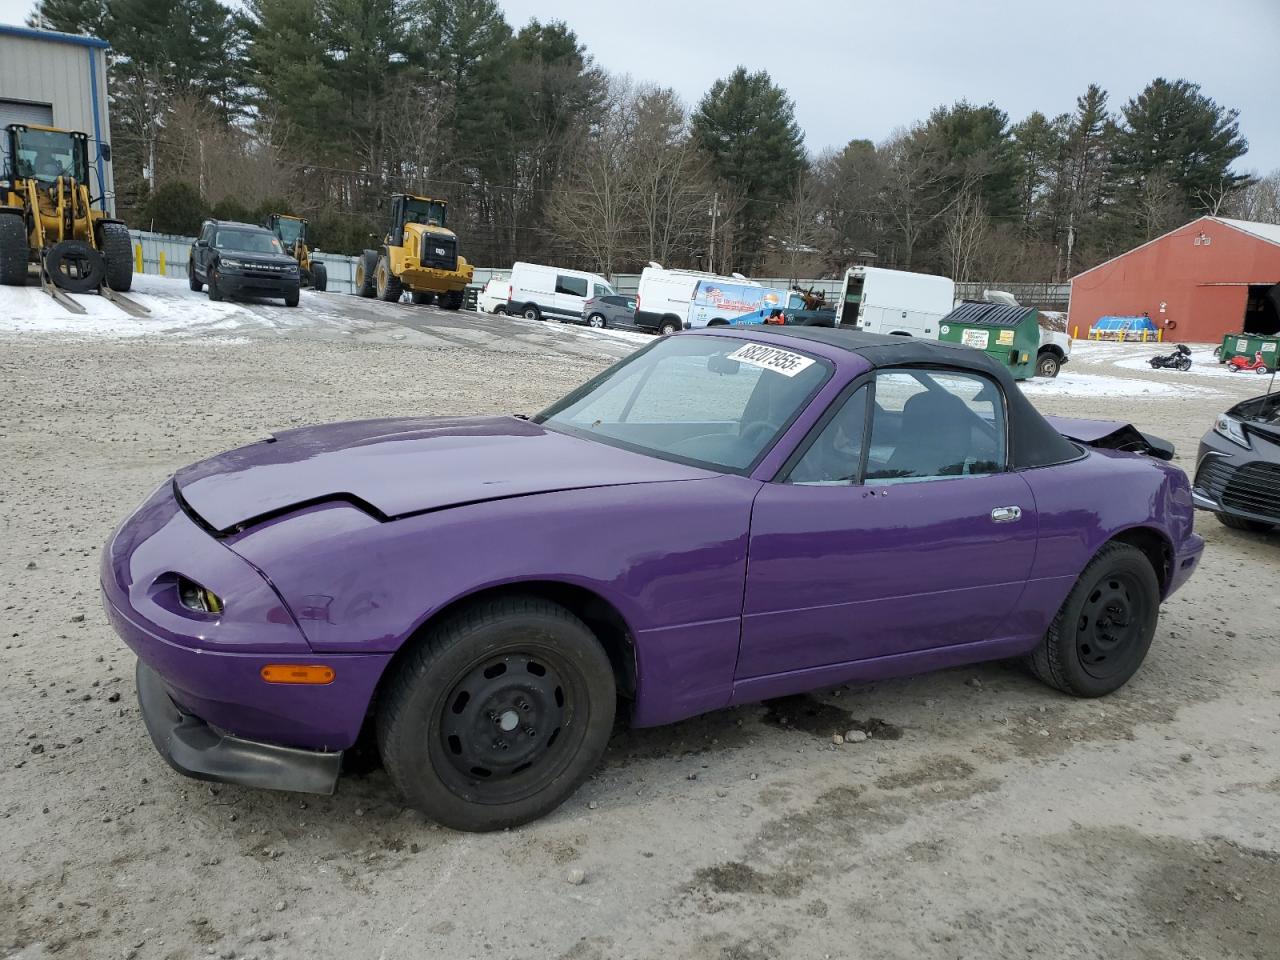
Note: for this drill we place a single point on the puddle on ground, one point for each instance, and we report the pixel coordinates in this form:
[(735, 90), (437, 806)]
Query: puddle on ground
[(803, 712)]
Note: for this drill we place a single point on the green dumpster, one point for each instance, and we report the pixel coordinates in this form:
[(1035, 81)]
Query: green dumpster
[(1010, 334), (1249, 345)]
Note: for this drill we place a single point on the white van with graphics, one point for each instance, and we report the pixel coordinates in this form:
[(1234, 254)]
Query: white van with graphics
[(539, 292), (895, 301), (665, 297)]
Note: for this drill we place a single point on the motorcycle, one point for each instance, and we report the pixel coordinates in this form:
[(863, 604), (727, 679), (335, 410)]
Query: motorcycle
[(1241, 364), (1180, 359)]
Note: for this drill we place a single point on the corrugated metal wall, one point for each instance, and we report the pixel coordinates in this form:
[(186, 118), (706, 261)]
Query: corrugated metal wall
[(59, 73)]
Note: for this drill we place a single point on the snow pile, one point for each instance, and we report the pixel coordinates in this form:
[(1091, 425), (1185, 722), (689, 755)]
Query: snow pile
[(1071, 384)]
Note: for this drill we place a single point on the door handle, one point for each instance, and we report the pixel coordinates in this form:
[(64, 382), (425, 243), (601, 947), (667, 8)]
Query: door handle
[(1006, 514)]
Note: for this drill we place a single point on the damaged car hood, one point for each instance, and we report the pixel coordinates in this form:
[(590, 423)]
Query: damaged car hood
[(396, 467)]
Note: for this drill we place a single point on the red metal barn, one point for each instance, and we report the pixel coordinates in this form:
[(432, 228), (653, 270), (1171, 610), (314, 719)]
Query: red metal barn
[(1211, 277)]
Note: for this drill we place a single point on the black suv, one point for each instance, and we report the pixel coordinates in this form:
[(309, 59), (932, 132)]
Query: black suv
[(240, 258)]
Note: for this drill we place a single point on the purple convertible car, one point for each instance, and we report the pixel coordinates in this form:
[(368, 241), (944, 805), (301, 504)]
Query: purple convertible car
[(724, 517)]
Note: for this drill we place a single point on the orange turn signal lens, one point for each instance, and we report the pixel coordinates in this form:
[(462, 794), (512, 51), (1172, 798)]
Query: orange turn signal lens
[(297, 673)]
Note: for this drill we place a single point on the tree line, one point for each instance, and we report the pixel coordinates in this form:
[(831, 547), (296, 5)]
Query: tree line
[(322, 108)]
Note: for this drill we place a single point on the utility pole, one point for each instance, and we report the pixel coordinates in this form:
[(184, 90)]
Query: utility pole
[(715, 215), (1071, 239)]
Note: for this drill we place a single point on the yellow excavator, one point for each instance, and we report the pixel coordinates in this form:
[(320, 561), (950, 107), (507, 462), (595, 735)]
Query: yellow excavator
[(419, 254), (46, 219), (292, 232)]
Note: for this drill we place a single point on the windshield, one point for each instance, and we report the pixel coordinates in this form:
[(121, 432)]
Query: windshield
[(713, 401), (289, 231), (47, 155), (250, 241), (425, 211)]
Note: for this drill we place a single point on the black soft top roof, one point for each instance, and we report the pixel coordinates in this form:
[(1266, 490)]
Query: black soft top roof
[(1033, 442)]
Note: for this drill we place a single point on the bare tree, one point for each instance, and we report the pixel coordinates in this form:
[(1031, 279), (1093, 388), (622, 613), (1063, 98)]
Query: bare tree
[(799, 224), (964, 232), (1258, 201), (1158, 208), (913, 194)]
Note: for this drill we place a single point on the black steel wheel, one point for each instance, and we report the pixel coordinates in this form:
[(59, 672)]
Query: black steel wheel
[(497, 714), (1102, 632)]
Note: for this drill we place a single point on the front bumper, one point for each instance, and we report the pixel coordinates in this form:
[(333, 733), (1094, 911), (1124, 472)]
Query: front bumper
[(1185, 561), (210, 666), (195, 749), (1242, 483), (250, 283)]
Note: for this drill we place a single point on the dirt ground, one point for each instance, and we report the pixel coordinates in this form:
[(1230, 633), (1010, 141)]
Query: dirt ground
[(986, 816)]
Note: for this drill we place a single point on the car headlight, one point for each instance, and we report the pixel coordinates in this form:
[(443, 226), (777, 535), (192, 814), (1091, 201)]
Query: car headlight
[(1232, 429), (195, 597), (231, 262)]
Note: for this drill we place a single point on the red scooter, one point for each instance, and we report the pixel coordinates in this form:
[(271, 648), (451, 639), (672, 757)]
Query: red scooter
[(1240, 364)]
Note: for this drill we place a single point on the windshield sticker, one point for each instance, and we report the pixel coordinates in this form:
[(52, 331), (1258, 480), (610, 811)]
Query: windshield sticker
[(771, 358)]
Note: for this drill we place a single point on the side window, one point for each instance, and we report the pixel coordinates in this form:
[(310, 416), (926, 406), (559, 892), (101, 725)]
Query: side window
[(929, 424), (574, 286), (206, 234), (833, 457)]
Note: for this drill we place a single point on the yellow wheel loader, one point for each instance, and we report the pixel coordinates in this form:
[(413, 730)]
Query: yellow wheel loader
[(292, 232), (46, 219), (419, 254)]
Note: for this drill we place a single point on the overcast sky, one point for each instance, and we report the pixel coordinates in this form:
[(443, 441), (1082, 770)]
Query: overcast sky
[(860, 68)]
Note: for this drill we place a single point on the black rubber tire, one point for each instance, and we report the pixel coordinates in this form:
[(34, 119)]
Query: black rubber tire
[(319, 277), (597, 320), (192, 282), (14, 253), (452, 300), (422, 298), (530, 312), (215, 294), (365, 268), (90, 268), (670, 326), (1057, 661), (387, 285), (499, 311), (1047, 365), (1243, 523), (291, 297), (117, 250), (411, 718)]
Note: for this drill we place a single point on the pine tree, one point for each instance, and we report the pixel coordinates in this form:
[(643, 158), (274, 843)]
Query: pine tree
[(746, 125), (87, 17)]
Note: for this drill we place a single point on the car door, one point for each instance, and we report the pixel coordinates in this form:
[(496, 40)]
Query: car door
[(200, 252), (895, 528)]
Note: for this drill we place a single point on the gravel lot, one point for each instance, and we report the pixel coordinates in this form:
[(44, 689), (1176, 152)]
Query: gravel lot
[(986, 816)]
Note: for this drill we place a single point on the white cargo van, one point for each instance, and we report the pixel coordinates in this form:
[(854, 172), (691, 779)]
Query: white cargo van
[(665, 297), (895, 301), (538, 291)]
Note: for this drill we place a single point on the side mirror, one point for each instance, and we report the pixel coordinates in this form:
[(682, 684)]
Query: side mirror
[(104, 151)]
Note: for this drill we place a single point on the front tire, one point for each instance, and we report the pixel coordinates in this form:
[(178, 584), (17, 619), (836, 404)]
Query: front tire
[(1048, 365), (389, 287), (1103, 630), (215, 293), (291, 297), (192, 282), (498, 714), (13, 250), (532, 313)]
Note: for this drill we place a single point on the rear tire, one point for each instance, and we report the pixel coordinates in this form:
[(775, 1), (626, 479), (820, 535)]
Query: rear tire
[(1243, 523), (451, 300), (498, 714), (1047, 365), (117, 250), (319, 277), (669, 327), (531, 313), (1103, 630), (597, 320), (366, 267), (13, 250), (422, 299)]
